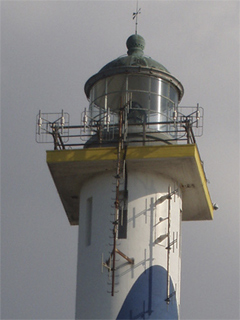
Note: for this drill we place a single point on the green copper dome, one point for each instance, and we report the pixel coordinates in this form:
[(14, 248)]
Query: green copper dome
[(135, 44), (135, 62)]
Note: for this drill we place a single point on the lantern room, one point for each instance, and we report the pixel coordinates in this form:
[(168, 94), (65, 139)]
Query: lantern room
[(142, 84)]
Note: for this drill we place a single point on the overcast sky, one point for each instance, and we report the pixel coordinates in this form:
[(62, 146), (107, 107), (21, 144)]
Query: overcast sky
[(48, 51)]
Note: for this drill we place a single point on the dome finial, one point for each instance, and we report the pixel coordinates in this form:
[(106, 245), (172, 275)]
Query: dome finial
[(135, 15), (135, 44)]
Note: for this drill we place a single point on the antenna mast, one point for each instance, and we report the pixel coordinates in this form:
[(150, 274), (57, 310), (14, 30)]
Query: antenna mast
[(135, 15)]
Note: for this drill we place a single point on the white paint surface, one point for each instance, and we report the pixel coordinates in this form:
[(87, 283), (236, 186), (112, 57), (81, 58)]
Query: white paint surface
[(94, 300)]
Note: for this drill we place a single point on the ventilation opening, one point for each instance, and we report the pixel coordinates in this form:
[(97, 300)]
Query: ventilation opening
[(88, 221)]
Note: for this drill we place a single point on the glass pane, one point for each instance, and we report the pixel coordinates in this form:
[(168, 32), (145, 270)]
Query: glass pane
[(139, 83), (165, 89), (116, 83), (114, 100), (154, 85), (174, 95), (99, 89), (141, 98)]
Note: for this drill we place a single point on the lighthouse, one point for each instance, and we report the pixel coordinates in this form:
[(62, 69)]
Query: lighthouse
[(131, 179)]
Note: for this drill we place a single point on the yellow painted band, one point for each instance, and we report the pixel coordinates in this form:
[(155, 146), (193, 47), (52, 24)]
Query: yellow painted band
[(151, 152), (91, 154), (110, 153), (204, 182)]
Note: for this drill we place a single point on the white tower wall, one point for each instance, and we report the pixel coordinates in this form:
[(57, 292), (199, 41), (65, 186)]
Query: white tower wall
[(140, 288)]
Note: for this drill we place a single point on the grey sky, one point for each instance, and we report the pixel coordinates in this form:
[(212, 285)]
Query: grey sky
[(48, 51)]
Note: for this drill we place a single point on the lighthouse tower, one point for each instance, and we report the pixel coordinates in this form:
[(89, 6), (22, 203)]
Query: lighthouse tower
[(129, 186)]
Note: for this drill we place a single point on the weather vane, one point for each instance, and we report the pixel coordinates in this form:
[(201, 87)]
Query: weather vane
[(135, 15)]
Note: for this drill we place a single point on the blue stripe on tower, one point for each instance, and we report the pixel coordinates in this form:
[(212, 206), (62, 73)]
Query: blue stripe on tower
[(146, 299)]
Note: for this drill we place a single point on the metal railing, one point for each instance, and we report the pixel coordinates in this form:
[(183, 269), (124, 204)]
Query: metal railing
[(104, 129)]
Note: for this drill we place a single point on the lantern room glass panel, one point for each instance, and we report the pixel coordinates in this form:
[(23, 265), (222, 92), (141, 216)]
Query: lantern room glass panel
[(155, 98)]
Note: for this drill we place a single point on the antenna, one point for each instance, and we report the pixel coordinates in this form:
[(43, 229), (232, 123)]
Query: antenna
[(135, 15)]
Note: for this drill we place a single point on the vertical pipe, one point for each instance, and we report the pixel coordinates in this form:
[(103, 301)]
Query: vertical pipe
[(197, 115), (117, 194), (105, 117), (168, 247), (39, 121), (62, 121), (114, 257)]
